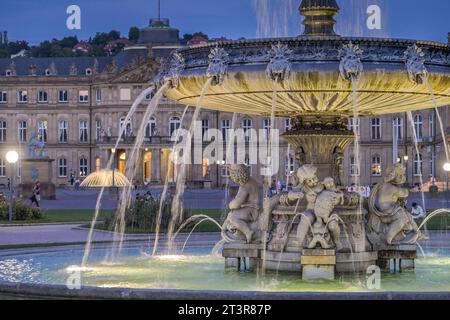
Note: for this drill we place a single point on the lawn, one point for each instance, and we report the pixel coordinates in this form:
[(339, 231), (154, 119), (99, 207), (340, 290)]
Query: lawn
[(54, 216)]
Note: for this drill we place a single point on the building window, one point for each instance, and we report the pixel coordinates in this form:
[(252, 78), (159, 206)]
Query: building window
[(128, 129), (433, 164), (83, 137), (98, 130), (353, 125), (376, 166), (174, 124), (354, 168), (418, 126), (62, 167), (88, 71), (247, 126), (287, 124), (63, 131), (225, 127), (83, 167), (22, 96), (42, 96), (2, 167), (205, 128), (431, 127), (3, 97), (289, 165), (398, 128), (266, 127), (98, 94), (42, 130), (83, 96), (125, 94), (150, 130), (63, 96), (2, 131), (417, 165), (22, 131), (149, 96), (19, 168), (376, 128), (225, 172)]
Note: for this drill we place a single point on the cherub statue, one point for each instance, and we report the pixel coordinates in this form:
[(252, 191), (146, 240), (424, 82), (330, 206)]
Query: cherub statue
[(243, 220), (389, 220)]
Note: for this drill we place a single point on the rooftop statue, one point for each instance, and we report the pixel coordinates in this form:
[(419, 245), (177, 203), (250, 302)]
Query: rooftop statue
[(36, 148)]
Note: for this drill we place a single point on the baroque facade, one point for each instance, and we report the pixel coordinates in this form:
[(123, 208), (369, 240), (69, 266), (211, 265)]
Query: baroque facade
[(77, 106)]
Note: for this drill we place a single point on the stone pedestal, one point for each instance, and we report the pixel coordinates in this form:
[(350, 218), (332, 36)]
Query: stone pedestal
[(238, 254), (318, 264), (397, 258), (37, 170)]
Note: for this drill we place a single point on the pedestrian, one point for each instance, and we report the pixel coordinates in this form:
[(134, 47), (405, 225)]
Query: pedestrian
[(417, 211), (72, 179), (36, 197), (77, 184)]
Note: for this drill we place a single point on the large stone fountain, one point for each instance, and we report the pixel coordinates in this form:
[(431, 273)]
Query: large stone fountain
[(320, 79)]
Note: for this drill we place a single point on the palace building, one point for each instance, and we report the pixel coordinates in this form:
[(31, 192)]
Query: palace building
[(77, 105)]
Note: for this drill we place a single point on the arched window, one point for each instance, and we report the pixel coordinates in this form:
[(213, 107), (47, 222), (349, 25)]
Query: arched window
[(418, 126), (376, 166), (398, 127), (128, 130), (174, 124), (42, 130), (418, 165), (150, 130)]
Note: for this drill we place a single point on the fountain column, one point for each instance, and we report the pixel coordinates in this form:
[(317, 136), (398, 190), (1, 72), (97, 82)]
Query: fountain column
[(155, 166)]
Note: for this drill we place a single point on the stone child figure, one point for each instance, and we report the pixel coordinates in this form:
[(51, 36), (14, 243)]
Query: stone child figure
[(245, 207), (388, 217), (325, 204)]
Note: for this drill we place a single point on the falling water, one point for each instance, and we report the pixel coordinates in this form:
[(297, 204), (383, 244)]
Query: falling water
[(356, 131), (275, 18), (131, 171), (166, 185), (122, 129), (416, 146), (438, 115), (435, 213)]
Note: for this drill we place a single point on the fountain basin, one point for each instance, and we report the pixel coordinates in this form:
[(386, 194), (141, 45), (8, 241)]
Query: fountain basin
[(314, 85)]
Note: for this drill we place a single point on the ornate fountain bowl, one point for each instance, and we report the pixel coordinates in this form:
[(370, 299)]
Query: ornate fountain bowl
[(312, 82)]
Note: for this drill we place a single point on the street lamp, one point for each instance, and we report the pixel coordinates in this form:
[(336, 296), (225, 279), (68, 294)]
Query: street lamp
[(447, 171), (113, 152), (11, 157), (406, 158)]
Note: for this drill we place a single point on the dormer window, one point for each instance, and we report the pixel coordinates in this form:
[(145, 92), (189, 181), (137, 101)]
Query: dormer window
[(48, 72), (88, 71), (8, 73)]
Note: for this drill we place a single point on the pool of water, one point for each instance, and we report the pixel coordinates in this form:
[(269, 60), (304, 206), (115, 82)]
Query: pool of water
[(196, 269)]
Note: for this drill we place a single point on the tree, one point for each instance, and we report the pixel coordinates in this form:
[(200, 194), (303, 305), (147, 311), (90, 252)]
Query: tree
[(133, 34)]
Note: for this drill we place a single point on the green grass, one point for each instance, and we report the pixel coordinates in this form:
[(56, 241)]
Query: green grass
[(437, 223), (55, 216)]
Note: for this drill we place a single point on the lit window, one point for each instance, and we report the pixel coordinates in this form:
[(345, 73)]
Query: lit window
[(22, 96), (42, 96), (125, 94), (83, 167), (62, 167), (376, 166), (84, 96), (63, 96)]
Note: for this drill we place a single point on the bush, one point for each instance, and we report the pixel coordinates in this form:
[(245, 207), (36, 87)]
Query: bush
[(21, 211)]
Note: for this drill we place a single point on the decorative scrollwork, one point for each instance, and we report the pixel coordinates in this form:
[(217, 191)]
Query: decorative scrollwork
[(350, 66), (177, 65), (415, 64), (218, 65)]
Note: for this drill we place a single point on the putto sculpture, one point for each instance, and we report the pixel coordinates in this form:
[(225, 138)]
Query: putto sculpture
[(389, 222), (218, 65), (177, 64), (415, 64), (350, 66), (279, 67)]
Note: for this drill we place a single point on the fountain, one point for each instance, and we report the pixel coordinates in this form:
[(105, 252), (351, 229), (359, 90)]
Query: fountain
[(319, 80)]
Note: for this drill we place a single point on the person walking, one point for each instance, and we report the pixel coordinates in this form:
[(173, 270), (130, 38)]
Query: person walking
[(36, 197)]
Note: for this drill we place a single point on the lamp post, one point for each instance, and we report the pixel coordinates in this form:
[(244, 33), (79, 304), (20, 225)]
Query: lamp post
[(11, 157), (447, 171), (113, 152)]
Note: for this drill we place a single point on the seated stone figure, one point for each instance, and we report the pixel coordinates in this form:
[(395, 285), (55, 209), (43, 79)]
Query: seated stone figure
[(389, 221), (243, 221)]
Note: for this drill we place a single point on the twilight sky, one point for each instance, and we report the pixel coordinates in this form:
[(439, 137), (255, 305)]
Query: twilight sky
[(37, 20)]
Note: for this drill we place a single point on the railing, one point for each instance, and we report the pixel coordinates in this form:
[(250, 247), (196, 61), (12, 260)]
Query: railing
[(132, 140)]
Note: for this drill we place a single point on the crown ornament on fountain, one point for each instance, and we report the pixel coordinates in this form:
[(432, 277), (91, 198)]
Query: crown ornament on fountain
[(279, 67), (177, 65), (350, 66), (319, 17), (415, 64), (158, 80), (218, 65)]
